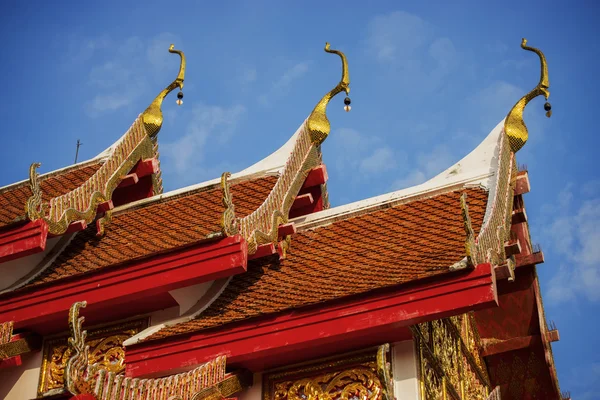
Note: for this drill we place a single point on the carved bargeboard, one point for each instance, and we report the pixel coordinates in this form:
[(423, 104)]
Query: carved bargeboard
[(106, 348), (351, 377), (450, 363)]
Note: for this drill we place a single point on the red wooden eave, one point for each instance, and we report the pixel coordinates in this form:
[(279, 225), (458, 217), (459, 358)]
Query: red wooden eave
[(24, 240), (137, 287), (356, 321)]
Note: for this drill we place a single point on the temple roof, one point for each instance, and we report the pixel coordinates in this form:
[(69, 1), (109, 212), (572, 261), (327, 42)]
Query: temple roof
[(148, 228), (387, 240), (56, 183), (376, 249)]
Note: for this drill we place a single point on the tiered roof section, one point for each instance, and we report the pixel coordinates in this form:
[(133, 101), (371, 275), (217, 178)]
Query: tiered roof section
[(279, 259)]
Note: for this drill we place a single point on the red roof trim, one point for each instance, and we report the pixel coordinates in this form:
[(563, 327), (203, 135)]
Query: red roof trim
[(138, 285), (269, 341)]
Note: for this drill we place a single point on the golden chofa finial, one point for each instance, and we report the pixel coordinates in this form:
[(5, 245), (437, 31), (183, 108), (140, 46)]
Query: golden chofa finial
[(514, 126), (153, 117), (317, 123)]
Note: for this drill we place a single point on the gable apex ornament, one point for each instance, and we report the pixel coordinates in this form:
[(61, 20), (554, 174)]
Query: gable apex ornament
[(514, 126)]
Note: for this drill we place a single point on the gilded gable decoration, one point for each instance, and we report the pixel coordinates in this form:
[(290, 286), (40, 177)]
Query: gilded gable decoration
[(450, 361), (514, 126), (83, 377), (261, 226), (363, 375), (81, 203)]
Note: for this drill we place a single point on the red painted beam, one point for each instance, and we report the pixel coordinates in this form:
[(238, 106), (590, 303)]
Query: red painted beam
[(263, 251), (23, 240), (519, 216), (552, 336), (522, 185), (106, 206), (512, 247), (303, 200), (114, 290), (129, 180), (266, 342), (530, 259), (494, 347), (286, 229), (76, 226), (316, 176), (146, 167)]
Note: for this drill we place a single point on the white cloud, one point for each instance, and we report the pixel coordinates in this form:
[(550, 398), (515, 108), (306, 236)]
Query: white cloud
[(122, 77), (428, 164), (282, 85), (382, 159), (208, 122), (361, 156), (103, 103), (574, 232), (409, 48), (397, 35)]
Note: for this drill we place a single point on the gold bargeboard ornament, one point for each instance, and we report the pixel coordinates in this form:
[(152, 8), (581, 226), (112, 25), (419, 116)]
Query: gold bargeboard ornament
[(450, 363), (514, 126), (365, 375), (105, 349), (138, 143), (261, 226)]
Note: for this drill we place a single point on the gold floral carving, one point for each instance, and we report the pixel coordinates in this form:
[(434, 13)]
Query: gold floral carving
[(450, 363), (83, 377), (514, 126), (229, 224), (105, 348), (363, 376)]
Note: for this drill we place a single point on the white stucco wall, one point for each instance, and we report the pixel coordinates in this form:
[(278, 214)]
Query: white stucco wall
[(20, 383), (404, 364)]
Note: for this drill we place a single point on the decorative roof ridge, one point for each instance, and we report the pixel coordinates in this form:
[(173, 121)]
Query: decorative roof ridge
[(271, 165), (188, 191), (476, 169), (102, 157), (82, 378), (212, 294), (137, 144), (261, 226)]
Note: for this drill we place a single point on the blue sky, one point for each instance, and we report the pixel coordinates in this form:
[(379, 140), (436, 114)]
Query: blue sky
[(429, 81)]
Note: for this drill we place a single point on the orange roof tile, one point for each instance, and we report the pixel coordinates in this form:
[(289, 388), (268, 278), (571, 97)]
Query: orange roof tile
[(156, 227), (373, 250), (13, 199)]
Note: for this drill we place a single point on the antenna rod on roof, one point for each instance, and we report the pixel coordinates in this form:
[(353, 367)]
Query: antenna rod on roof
[(77, 151)]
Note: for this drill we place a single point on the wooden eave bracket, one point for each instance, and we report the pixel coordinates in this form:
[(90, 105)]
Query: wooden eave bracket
[(522, 185), (552, 336), (503, 271), (24, 240), (10, 353), (519, 216), (512, 247), (143, 168)]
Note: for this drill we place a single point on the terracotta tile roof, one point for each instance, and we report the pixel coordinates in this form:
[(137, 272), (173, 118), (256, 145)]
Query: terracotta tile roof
[(155, 228), (370, 251), (13, 199)]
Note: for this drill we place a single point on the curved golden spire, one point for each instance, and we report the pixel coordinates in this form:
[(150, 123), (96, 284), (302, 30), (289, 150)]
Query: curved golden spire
[(153, 117), (514, 126), (317, 123)]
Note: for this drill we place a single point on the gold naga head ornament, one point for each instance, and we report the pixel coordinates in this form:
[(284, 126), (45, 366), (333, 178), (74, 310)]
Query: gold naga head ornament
[(152, 116), (317, 122), (514, 126)]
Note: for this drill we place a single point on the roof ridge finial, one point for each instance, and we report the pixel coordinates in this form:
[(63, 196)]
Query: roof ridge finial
[(317, 123), (514, 126), (152, 116)]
